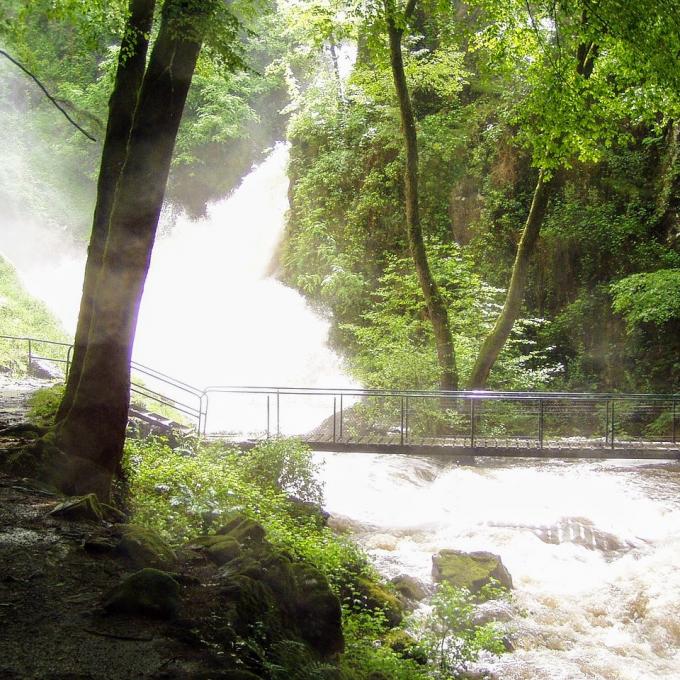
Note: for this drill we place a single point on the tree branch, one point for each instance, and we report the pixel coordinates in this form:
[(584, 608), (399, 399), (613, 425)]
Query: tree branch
[(48, 95)]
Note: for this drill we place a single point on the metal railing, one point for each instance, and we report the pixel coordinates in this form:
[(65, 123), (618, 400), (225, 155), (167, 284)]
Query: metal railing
[(531, 420), (552, 421), (184, 398)]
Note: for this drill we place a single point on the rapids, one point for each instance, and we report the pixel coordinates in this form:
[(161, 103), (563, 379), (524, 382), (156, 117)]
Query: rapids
[(580, 612)]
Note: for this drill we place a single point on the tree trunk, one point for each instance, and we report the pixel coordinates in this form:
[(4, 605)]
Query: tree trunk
[(122, 104), (93, 432), (495, 341), (435, 304)]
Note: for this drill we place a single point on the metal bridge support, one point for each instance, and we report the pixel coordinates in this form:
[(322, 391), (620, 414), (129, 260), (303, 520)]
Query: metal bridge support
[(472, 423)]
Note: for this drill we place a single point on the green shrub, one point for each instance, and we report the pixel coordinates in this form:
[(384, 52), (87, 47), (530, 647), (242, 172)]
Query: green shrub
[(449, 635)]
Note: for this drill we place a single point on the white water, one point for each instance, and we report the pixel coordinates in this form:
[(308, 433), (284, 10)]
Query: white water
[(588, 614), (212, 315)]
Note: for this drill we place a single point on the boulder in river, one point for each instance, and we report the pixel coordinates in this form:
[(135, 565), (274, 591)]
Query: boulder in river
[(469, 570)]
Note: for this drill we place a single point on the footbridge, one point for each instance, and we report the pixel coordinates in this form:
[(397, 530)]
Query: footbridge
[(467, 423)]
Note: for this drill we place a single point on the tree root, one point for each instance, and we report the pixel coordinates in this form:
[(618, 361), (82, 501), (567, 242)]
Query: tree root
[(24, 429)]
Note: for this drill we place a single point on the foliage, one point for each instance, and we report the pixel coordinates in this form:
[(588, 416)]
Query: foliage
[(648, 298), (21, 315), (286, 466), (186, 491), (365, 652), (450, 636), (394, 344)]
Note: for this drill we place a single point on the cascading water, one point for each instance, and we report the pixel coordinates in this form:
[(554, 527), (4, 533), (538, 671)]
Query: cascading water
[(592, 548), (211, 315)]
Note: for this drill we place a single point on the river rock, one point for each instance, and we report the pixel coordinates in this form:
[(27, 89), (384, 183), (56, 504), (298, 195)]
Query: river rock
[(469, 570), (409, 588)]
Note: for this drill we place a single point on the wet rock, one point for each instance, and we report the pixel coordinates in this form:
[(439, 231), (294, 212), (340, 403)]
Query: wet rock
[(307, 509), (469, 570), (79, 509), (148, 592), (405, 645), (409, 588), (495, 610), (144, 547)]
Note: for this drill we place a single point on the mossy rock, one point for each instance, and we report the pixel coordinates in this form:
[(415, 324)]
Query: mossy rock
[(317, 611), (148, 592), (144, 547), (410, 589), (291, 599), (405, 645), (376, 596), (245, 530), (79, 509), (220, 549), (469, 570)]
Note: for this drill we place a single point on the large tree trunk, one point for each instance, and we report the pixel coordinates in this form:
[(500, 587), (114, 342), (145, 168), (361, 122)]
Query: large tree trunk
[(495, 341), (122, 104), (93, 432), (435, 304)]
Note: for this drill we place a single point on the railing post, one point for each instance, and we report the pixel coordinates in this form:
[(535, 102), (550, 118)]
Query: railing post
[(406, 422), (205, 413), (341, 410), (335, 400), (278, 414), (401, 426), (268, 416), (613, 433), (540, 422), (30, 354), (472, 423), (606, 423), (68, 361), (675, 411)]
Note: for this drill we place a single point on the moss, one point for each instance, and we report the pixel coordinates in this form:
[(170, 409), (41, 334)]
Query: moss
[(376, 596), (469, 570), (148, 592), (405, 645), (243, 529), (144, 547), (80, 509)]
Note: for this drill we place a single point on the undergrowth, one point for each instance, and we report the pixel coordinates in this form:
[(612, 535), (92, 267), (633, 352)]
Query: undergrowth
[(189, 490)]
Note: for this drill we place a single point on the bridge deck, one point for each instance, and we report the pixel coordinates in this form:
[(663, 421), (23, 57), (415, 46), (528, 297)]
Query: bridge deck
[(493, 447)]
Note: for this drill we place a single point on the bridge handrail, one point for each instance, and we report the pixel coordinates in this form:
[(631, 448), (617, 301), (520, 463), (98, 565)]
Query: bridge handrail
[(464, 394)]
